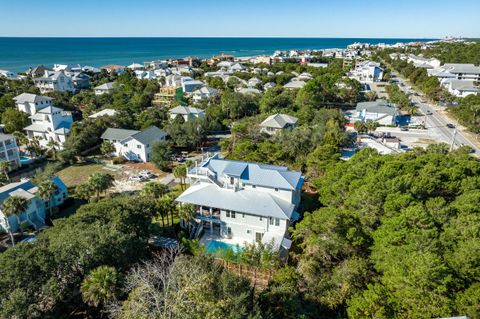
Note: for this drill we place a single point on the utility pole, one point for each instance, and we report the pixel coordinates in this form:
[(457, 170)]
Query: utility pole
[(453, 139)]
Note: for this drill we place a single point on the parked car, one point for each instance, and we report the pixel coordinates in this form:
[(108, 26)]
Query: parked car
[(146, 174), (450, 125), (429, 113), (137, 178)]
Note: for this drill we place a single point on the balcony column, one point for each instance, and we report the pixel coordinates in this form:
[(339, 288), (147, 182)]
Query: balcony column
[(211, 221)]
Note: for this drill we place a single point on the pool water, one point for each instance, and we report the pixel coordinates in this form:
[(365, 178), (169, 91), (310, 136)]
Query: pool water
[(214, 246), (25, 160)]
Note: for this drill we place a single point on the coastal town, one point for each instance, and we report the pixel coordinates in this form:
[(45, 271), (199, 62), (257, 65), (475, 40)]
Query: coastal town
[(235, 158)]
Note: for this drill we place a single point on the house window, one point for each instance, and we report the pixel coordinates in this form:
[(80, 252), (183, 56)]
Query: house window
[(261, 218), (248, 231), (254, 186), (139, 146), (276, 189), (125, 145), (243, 215), (277, 221), (229, 231), (271, 220), (233, 214)]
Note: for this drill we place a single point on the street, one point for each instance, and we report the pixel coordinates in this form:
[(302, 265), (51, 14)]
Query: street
[(437, 122)]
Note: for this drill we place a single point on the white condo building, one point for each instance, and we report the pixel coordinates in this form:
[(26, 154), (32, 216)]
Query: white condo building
[(50, 123), (367, 72), (239, 202)]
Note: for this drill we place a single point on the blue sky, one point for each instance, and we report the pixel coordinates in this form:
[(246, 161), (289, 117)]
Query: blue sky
[(277, 18)]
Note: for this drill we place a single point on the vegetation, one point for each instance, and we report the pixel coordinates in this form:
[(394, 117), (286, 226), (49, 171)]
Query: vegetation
[(43, 278)]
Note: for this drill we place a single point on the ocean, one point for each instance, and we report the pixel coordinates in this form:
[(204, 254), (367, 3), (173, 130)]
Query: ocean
[(18, 54)]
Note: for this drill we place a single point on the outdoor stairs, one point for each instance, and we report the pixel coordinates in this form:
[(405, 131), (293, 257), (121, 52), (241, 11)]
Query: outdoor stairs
[(198, 230), (214, 180)]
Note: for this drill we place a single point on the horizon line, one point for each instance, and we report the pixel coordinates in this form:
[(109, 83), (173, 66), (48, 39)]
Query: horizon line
[(224, 37)]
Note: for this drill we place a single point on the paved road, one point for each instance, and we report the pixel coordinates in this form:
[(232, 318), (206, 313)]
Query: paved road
[(437, 122)]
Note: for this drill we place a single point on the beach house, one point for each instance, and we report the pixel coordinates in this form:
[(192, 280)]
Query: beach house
[(104, 88), (34, 215), (367, 72), (187, 112), (9, 151), (379, 111), (134, 145), (240, 202), (204, 92), (54, 82), (277, 122), (31, 103), (50, 124)]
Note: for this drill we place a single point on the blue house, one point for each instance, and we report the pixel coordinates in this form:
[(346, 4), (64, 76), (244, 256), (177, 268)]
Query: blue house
[(35, 213)]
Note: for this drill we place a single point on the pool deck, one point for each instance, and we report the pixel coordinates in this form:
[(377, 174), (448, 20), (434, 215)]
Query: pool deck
[(208, 237)]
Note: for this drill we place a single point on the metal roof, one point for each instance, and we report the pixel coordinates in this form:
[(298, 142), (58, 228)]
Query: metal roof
[(245, 201), (31, 98), (279, 120), (149, 135), (117, 134), (378, 106)]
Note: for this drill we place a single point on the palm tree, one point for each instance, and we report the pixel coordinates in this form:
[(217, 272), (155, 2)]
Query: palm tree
[(100, 182), (84, 191), (5, 167), (181, 173), (359, 126), (371, 125), (46, 190), (155, 190), (167, 206), (100, 286), (21, 138), (14, 206), (52, 146), (187, 212)]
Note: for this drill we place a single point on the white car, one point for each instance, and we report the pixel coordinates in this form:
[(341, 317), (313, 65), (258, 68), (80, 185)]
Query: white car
[(137, 178)]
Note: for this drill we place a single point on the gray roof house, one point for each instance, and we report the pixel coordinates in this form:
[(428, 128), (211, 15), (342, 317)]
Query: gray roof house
[(278, 122), (134, 145), (240, 202), (187, 112), (104, 88), (379, 111)]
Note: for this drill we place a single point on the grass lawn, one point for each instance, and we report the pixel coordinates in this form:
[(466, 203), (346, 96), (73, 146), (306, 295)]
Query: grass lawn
[(79, 173)]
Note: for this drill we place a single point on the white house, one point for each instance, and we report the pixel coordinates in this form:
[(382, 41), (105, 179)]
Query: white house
[(379, 111), (119, 69), (295, 84), (31, 103), (145, 75), (253, 82), (460, 88), (104, 88), (204, 92), (9, 150), (8, 75), (134, 145), (104, 112), (189, 85), (421, 62), (277, 122), (35, 213), (50, 123), (187, 112), (54, 82), (135, 66), (367, 71), (239, 202)]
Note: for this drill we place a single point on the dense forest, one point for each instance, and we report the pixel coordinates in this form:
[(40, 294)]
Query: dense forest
[(395, 237)]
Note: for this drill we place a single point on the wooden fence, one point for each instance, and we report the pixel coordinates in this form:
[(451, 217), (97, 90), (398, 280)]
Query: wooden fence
[(259, 278)]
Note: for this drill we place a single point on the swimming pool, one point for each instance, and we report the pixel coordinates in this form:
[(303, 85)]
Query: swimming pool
[(25, 160), (214, 246)]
